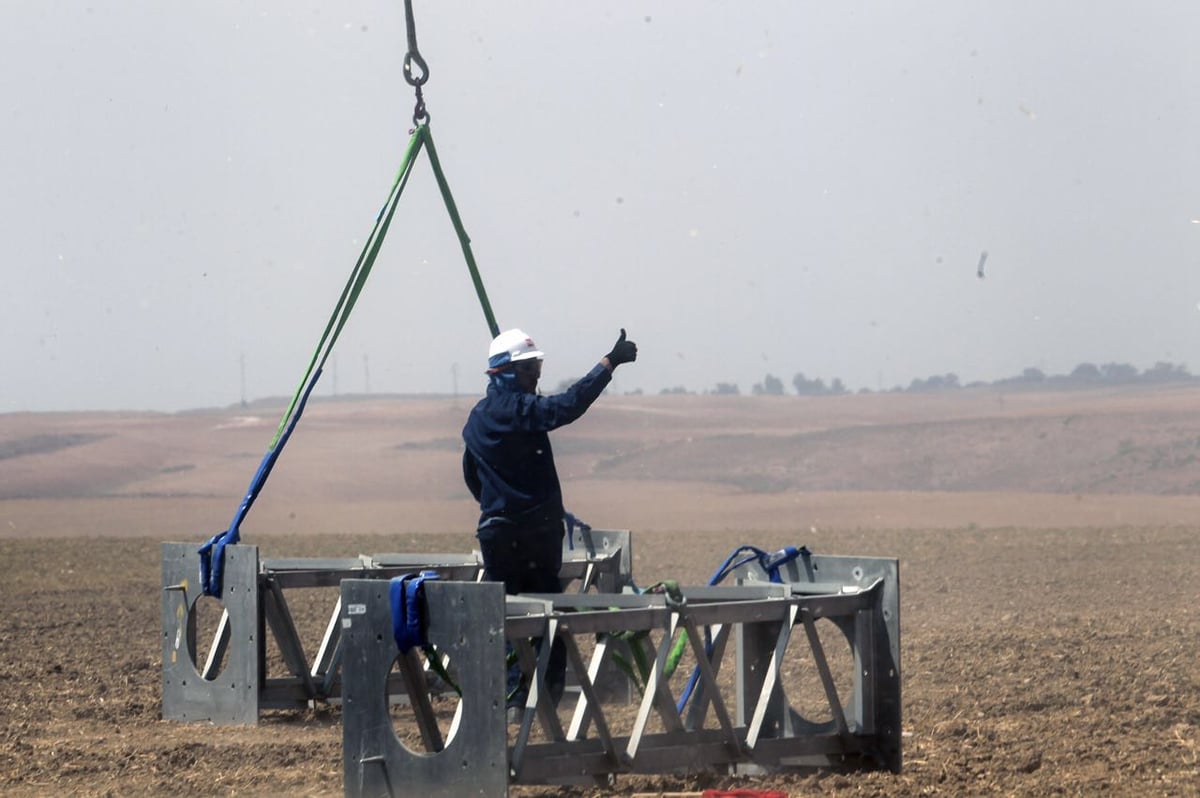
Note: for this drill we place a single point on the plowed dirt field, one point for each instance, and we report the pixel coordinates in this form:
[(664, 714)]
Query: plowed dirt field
[(1049, 549)]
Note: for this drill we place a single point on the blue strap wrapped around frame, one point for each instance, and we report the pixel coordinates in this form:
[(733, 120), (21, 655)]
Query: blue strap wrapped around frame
[(407, 595)]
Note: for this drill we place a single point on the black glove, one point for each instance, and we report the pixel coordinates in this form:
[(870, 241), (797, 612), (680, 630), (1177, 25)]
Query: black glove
[(623, 351)]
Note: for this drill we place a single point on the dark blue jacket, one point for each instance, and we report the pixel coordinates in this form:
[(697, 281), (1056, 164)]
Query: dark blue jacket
[(508, 464)]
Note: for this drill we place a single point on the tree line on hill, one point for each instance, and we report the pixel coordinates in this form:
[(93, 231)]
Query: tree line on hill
[(1085, 375)]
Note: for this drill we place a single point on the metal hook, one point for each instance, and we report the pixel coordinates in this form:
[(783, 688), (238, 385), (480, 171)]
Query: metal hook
[(416, 71), (420, 115)]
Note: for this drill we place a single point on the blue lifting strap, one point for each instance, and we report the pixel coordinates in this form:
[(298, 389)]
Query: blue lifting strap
[(212, 553), (772, 563), (407, 595)]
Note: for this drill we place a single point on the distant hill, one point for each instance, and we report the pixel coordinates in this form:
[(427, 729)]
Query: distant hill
[(1135, 439)]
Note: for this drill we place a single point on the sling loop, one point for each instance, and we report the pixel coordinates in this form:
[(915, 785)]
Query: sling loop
[(406, 594), (407, 597), (640, 677), (211, 553)]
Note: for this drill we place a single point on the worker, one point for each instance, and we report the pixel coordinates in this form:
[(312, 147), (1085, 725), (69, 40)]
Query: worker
[(509, 468)]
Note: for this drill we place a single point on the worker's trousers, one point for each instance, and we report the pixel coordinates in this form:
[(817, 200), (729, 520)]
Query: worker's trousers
[(527, 558)]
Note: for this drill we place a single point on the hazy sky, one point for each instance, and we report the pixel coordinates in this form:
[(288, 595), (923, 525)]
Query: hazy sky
[(747, 187)]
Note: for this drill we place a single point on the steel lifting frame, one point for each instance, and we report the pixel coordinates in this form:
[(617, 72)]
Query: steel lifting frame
[(749, 727), (232, 686)]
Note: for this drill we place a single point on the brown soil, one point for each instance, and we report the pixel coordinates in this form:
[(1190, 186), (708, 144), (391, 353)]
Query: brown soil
[(1048, 547)]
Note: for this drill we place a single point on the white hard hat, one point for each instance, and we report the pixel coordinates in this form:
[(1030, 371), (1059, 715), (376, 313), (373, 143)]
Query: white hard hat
[(516, 345)]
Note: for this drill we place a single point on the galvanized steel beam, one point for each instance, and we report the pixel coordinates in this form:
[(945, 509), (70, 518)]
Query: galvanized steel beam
[(744, 722), (232, 685)]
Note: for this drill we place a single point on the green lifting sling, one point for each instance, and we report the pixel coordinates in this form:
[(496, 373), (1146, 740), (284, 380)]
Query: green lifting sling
[(212, 552)]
